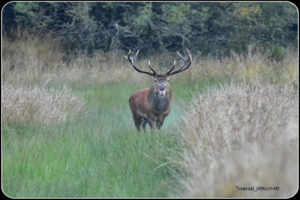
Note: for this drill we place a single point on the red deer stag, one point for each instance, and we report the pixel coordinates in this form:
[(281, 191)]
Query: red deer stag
[(152, 105)]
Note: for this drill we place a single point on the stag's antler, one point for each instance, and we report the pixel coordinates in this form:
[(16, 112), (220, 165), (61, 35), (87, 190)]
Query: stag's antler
[(132, 61), (186, 64), (174, 64)]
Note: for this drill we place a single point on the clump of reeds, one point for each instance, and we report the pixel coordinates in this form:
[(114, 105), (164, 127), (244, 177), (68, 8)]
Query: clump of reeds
[(35, 103), (241, 136)]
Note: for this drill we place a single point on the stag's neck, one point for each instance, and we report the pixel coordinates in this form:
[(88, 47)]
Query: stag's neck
[(160, 103)]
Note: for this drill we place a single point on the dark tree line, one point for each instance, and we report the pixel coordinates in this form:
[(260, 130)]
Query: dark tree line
[(207, 28)]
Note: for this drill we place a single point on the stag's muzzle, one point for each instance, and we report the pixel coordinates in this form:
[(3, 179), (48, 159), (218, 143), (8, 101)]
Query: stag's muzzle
[(162, 89)]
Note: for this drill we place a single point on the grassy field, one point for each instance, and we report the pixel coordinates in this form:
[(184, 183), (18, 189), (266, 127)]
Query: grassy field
[(99, 154), (81, 141)]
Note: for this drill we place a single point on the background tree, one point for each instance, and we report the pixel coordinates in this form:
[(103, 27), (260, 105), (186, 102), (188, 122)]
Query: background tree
[(207, 28)]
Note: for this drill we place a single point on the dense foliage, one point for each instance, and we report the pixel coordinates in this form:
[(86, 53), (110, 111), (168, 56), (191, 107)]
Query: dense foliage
[(207, 28)]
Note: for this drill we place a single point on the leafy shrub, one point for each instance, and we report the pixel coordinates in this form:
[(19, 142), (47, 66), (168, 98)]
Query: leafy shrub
[(277, 53)]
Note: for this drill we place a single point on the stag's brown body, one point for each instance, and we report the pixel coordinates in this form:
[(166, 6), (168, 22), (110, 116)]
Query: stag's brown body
[(152, 105), (148, 106)]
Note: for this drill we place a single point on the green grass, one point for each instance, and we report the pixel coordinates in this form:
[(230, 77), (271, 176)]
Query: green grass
[(99, 154)]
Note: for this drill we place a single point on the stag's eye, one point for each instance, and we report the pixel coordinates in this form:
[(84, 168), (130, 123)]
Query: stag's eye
[(155, 80)]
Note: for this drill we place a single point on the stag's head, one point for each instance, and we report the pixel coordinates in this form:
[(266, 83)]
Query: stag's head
[(161, 81)]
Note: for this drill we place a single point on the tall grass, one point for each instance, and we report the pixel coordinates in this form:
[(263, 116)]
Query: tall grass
[(37, 104), (40, 59), (253, 66), (27, 58), (241, 136)]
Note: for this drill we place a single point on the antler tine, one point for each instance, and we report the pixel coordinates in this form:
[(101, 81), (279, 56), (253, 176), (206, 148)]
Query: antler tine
[(132, 61), (154, 72), (174, 64), (189, 53), (186, 63), (189, 59), (180, 55)]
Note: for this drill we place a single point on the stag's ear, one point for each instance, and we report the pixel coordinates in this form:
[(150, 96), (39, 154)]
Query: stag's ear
[(168, 78)]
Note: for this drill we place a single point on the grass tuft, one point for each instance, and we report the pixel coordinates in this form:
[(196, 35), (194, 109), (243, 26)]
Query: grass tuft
[(37, 104), (241, 136)]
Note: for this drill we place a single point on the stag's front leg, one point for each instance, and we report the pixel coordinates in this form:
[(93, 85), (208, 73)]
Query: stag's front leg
[(152, 124), (160, 121), (159, 124), (137, 121), (144, 123)]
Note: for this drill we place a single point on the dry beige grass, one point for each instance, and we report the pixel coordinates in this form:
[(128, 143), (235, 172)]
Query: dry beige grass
[(36, 59), (99, 68), (253, 66), (241, 136), (26, 59), (23, 104)]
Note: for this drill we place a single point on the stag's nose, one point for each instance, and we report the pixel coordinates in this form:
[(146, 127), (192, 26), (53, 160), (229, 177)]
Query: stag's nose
[(162, 86)]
